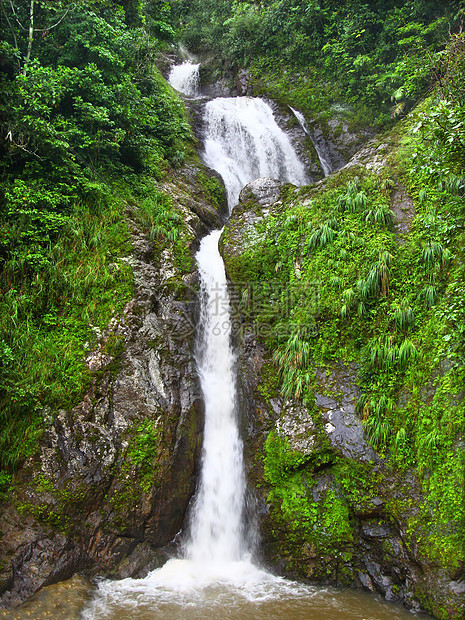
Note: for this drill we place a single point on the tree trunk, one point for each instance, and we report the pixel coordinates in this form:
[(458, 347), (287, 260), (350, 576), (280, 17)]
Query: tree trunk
[(30, 38)]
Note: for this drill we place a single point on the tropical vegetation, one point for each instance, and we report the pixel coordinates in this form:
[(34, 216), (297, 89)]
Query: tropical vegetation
[(88, 126)]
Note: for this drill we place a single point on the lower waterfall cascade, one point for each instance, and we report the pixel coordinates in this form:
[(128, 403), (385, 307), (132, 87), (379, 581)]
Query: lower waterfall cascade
[(215, 575)]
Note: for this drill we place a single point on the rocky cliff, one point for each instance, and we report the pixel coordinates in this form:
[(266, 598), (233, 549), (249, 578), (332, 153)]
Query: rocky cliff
[(111, 481), (336, 505)]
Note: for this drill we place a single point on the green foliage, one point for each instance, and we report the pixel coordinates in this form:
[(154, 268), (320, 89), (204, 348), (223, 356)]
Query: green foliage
[(144, 445), (54, 305), (403, 316), (214, 189), (325, 523), (5, 481), (292, 359), (394, 309), (280, 459), (156, 214), (63, 512), (138, 471)]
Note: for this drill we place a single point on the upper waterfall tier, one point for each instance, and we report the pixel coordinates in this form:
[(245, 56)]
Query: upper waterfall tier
[(185, 78), (244, 142)]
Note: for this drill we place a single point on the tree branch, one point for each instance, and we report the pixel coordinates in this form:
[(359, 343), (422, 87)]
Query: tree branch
[(22, 147), (15, 41), (58, 22), (15, 16)]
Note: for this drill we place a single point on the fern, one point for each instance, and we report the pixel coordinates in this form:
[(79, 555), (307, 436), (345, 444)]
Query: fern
[(429, 294), (321, 237), (379, 215), (407, 354), (349, 296), (363, 288), (455, 184), (422, 196), (336, 282), (361, 309), (403, 316), (361, 200)]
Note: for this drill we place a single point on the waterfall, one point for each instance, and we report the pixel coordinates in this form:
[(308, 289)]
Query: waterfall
[(243, 142), (217, 524), (215, 577), (325, 161), (185, 78)]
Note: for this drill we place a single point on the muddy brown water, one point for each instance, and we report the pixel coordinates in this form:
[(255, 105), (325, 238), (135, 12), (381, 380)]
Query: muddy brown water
[(70, 600)]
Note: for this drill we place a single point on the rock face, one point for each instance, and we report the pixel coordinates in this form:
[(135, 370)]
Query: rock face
[(326, 147), (354, 510), (110, 485), (263, 191)]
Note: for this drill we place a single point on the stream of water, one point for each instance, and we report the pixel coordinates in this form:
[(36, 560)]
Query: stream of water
[(216, 577), (243, 142), (185, 78), (324, 158)]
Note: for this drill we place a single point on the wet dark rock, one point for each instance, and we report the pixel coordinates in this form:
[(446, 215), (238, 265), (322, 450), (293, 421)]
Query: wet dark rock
[(242, 82), (342, 142), (140, 562), (333, 143), (326, 150), (375, 530), (372, 156), (345, 433), (41, 562), (342, 426), (326, 402), (366, 582), (368, 509), (215, 81), (324, 484)]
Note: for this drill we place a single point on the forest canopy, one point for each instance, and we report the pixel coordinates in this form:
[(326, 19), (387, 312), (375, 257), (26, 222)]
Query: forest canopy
[(375, 54)]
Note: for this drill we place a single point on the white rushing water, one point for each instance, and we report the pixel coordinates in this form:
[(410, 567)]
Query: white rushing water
[(325, 162), (185, 78), (243, 142), (217, 519)]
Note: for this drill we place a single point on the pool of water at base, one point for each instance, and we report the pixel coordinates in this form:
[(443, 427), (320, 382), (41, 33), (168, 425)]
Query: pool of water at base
[(68, 601)]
